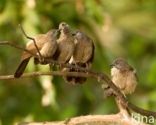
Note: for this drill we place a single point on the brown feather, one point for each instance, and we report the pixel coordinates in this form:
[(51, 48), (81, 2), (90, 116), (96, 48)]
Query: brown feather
[(83, 56), (47, 46)]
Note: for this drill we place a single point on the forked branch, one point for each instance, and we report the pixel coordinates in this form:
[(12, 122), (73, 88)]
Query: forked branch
[(102, 77), (33, 39)]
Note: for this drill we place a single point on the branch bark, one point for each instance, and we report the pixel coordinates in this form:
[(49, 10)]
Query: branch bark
[(117, 119)]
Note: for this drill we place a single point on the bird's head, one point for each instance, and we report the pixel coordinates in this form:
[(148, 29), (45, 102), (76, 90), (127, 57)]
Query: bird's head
[(77, 34), (64, 27), (54, 33), (120, 64)]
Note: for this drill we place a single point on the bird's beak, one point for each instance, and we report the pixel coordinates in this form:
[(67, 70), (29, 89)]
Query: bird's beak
[(73, 34), (111, 65), (57, 33)]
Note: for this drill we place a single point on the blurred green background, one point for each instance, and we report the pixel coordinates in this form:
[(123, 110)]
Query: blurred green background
[(119, 28)]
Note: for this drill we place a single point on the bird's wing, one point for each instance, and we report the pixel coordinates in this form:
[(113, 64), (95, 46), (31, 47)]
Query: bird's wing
[(48, 49), (78, 52), (40, 41), (88, 51), (66, 51)]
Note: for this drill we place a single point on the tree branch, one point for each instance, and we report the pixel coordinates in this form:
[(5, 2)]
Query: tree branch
[(53, 73), (31, 38), (17, 47), (102, 77), (117, 119)]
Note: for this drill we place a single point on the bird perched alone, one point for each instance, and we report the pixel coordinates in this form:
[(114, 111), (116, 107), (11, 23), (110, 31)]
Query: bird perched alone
[(83, 55), (65, 44), (123, 76), (46, 44)]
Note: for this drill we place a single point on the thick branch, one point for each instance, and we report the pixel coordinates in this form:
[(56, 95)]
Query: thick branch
[(117, 119)]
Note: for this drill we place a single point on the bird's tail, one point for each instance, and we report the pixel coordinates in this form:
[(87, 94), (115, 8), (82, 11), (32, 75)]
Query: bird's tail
[(72, 79), (21, 68)]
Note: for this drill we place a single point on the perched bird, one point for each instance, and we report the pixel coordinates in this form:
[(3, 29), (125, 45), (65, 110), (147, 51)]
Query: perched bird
[(83, 55), (123, 76), (65, 44), (47, 46)]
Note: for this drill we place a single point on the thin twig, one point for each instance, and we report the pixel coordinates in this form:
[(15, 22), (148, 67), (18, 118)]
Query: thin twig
[(31, 38), (141, 111), (53, 73), (18, 47), (46, 59)]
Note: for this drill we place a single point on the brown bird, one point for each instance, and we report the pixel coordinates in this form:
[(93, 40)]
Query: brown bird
[(83, 55), (65, 44), (47, 46), (123, 76)]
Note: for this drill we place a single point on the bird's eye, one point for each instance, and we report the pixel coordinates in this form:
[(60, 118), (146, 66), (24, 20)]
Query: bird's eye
[(116, 63), (63, 24)]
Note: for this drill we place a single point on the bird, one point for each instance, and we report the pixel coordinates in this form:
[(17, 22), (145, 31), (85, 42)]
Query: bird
[(46, 44), (124, 76), (65, 44), (82, 57)]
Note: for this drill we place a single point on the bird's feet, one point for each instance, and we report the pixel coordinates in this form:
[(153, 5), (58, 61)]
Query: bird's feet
[(43, 61)]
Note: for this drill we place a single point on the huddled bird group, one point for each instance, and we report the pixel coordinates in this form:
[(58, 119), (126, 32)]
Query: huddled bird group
[(62, 45), (65, 46)]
